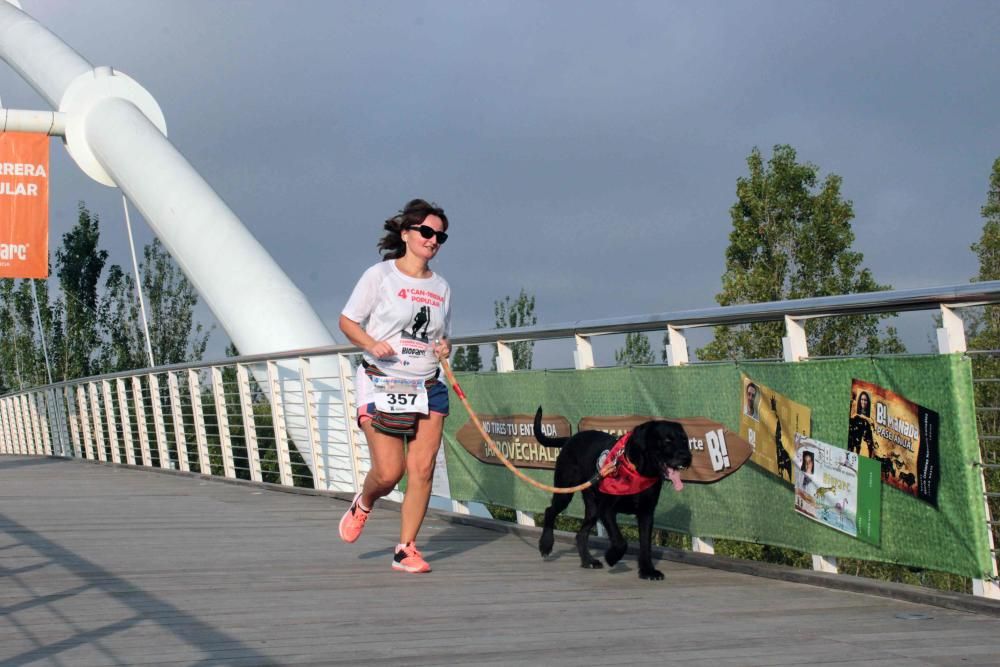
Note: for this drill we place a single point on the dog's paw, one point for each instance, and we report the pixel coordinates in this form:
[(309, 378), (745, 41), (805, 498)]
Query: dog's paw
[(592, 565), (614, 554), (651, 574), (545, 543)]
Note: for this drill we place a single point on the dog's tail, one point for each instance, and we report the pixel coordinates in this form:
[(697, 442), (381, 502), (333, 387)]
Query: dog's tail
[(541, 437)]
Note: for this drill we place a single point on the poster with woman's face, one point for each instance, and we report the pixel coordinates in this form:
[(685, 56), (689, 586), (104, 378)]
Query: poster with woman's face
[(769, 421), (901, 435)]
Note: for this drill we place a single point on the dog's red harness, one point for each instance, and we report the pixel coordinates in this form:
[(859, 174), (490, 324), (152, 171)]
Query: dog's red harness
[(624, 480)]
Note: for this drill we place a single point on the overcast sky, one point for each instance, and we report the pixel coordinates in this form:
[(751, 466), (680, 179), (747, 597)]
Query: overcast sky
[(585, 151)]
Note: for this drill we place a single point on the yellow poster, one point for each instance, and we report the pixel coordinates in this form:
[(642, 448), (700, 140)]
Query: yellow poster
[(769, 421)]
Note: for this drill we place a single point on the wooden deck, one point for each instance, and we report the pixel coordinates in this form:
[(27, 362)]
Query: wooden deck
[(103, 565)]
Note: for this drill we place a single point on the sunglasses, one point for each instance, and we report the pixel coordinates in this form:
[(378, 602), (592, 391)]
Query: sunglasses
[(428, 232)]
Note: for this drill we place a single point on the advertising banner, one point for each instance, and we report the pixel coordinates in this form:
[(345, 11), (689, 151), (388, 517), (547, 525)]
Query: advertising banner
[(24, 205), (838, 488), (900, 435), (770, 421)]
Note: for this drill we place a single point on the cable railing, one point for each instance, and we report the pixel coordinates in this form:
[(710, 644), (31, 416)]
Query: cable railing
[(287, 417)]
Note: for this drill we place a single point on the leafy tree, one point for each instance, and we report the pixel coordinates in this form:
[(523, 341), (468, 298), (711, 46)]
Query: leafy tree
[(467, 358), (792, 239), (79, 263), (636, 352), (519, 313), (170, 299)]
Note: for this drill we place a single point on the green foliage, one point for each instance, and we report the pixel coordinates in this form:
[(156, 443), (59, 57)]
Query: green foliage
[(79, 263), (792, 239), (637, 351), (467, 358), (519, 313)]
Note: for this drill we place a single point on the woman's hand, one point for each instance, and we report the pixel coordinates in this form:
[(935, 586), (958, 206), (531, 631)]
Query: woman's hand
[(442, 348), (381, 349)]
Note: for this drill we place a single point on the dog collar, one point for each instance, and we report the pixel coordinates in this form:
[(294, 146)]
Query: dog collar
[(624, 480)]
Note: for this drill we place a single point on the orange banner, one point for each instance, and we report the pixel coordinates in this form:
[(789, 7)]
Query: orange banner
[(24, 205)]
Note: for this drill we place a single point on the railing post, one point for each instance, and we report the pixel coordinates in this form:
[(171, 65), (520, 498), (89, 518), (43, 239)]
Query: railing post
[(95, 419), (677, 351), (951, 339), (8, 441), (29, 434), (583, 356), (123, 411), (139, 401), (222, 418), (109, 414), (505, 358), (56, 422), (249, 423), (180, 437), (39, 417), (85, 430), (198, 416), (795, 348), (354, 435), (312, 425), (69, 412), (278, 420), (505, 364)]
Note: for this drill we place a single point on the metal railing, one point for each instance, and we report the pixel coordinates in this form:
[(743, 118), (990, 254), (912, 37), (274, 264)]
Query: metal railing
[(287, 418)]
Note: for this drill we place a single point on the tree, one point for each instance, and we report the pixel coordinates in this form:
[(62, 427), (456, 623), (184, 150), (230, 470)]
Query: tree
[(520, 313), (984, 324), (79, 263), (467, 358), (170, 298), (636, 352), (791, 240)]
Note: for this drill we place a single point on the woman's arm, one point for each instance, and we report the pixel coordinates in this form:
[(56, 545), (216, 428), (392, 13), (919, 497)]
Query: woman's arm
[(379, 349)]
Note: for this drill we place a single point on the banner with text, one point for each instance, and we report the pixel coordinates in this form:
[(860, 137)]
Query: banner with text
[(24, 205)]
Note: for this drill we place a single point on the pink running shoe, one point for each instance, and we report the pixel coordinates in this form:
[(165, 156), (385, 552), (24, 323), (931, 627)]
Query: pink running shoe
[(408, 559), (353, 521)]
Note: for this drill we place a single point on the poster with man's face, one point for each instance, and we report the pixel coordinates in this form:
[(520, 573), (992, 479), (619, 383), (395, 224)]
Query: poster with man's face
[(769, 421)]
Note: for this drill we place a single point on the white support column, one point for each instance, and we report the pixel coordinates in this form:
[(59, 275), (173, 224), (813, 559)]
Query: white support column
[(85, 430), (198, 416), (180, 437), (320, 478), (677, 350), (583, 356), (951, 333), (278, 422), (123, 414), (142, 423), (505, 358), (70, 413), (249, 423), (222, 418), (109, 414), (95, 418), (703, 545), (793, 345)]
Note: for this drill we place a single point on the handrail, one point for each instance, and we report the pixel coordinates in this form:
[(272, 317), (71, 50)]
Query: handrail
[(925, 298)]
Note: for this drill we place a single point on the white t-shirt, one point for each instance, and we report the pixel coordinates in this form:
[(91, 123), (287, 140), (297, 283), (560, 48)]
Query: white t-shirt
[(409, 313)]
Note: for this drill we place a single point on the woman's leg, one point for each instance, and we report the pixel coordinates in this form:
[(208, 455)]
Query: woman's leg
[(420, 457), (388, 464)]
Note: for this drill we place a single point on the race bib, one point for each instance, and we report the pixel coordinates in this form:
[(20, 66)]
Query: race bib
[(394, 395)]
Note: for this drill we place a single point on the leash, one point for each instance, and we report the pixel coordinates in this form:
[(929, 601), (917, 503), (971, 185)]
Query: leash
[(603, 472)]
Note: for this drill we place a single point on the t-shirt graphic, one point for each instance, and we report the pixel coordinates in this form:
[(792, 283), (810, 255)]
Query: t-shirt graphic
[(420, 321)]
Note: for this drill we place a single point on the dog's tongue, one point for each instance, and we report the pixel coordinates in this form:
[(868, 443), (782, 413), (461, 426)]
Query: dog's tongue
[(675, 477)]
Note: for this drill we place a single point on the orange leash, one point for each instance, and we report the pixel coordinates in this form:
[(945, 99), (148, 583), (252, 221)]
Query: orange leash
[(604, 472)]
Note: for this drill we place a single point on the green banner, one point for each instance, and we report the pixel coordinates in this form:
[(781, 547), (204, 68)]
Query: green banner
[(752, 504)]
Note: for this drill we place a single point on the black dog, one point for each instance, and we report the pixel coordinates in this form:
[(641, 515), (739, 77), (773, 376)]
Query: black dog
[(655, 450)]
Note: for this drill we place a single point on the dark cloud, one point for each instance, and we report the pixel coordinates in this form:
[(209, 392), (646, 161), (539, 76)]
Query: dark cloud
[(585, 151)]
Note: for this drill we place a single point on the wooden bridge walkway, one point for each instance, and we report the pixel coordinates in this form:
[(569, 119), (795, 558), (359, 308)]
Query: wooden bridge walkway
[(104, 565)]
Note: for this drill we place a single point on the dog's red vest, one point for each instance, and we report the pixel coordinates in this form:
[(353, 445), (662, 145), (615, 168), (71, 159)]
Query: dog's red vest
[(625, 480)]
